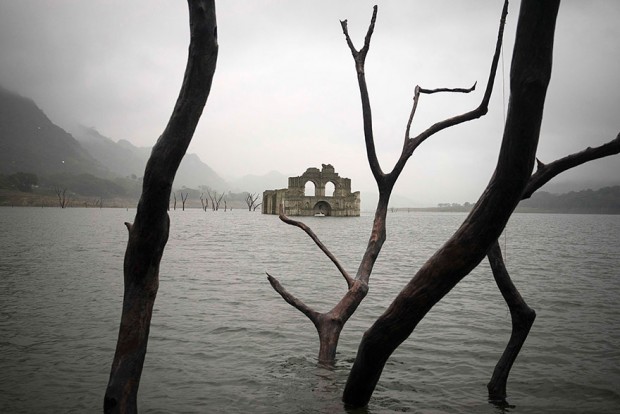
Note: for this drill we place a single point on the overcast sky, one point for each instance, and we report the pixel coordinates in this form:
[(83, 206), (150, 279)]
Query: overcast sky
[(285, 94)]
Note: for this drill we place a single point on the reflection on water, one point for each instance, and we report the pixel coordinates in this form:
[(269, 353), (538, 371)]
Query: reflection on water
[(223, 341)]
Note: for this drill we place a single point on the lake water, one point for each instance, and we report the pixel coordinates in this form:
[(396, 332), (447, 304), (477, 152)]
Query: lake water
[(222, 341)]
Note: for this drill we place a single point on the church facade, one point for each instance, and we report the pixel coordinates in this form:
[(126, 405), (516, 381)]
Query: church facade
[(339, 201)]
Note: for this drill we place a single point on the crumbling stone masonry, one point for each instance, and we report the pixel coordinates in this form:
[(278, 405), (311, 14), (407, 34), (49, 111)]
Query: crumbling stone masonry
[(342, 203)]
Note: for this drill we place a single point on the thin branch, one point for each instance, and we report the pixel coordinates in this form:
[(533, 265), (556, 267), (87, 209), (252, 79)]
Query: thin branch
[(318, 242), (481, 110), (416, 97), (292, 300), (359, 58), (458, 90), (546, 172)]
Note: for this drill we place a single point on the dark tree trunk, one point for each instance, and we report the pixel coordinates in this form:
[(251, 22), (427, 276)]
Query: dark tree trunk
[(149, 232), (530, 74), (329, 325), (522, 316)]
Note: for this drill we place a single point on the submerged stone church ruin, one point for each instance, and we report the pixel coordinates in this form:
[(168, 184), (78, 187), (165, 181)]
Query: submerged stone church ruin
[(338, 202)]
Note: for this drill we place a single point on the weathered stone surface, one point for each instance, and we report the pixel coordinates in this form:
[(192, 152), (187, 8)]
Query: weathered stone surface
[(342, 203)]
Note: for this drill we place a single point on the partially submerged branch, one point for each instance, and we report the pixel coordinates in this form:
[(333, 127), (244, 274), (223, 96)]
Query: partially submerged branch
[(530, 74), (292, 300), (358, 286), (522, 316), (149, 232), (318, 242)]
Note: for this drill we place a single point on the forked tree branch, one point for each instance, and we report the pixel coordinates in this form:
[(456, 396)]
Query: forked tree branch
[(360, 57), (481, 110), (530, 74), (416, 97), (292, 300), (318, 242), (522, 316)]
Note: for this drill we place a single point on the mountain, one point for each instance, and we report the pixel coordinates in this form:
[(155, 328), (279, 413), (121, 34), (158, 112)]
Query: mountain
[(125, 159), (122, 158), (30, 142), (194, 173)]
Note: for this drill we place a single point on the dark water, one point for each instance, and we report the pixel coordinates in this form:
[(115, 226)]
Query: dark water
[(222, 341)]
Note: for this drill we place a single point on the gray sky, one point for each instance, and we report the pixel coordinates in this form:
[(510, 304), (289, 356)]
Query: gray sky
[(285, 93)]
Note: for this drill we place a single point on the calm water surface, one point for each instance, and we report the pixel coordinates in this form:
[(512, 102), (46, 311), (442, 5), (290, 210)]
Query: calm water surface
[(222, 341)]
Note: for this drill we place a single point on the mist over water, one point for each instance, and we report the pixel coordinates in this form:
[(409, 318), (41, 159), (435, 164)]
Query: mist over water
[(222, 341)]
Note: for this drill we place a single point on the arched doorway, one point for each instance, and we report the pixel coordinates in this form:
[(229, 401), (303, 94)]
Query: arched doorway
[(322, 208)]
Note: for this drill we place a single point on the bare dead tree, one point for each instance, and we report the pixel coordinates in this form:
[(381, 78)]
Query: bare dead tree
[(522, 316), (62, 198), (212, 200), (149, 232), (215, 200), (183, 199), (529, 78), (251, 200), (225, 206), (329, 324), (174, 206), (204, 202), (256, 206)]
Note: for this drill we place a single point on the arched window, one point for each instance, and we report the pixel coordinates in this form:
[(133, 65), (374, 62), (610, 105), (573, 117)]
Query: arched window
[(310, 190), (329, 189)]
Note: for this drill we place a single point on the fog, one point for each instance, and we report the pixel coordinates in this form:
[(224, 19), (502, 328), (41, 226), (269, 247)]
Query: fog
[(285, 93)]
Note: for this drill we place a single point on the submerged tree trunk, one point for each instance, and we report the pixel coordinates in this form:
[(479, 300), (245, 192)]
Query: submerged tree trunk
[(330, 324), (522, 316), (149, 232), (530, 74)]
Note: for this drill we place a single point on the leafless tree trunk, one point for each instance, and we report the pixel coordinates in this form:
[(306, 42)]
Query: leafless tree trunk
[(61, 194), (522, 316), (204, 202), (174, 206), (251, 200), (330, 324), (529, 78), (215, 201), (149, 232), (183, 200), (212, 200)]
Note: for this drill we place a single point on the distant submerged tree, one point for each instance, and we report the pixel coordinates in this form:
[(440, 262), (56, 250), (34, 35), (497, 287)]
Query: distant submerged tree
[(149, 232), (183, 199), (61, 193), (252, 201)]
